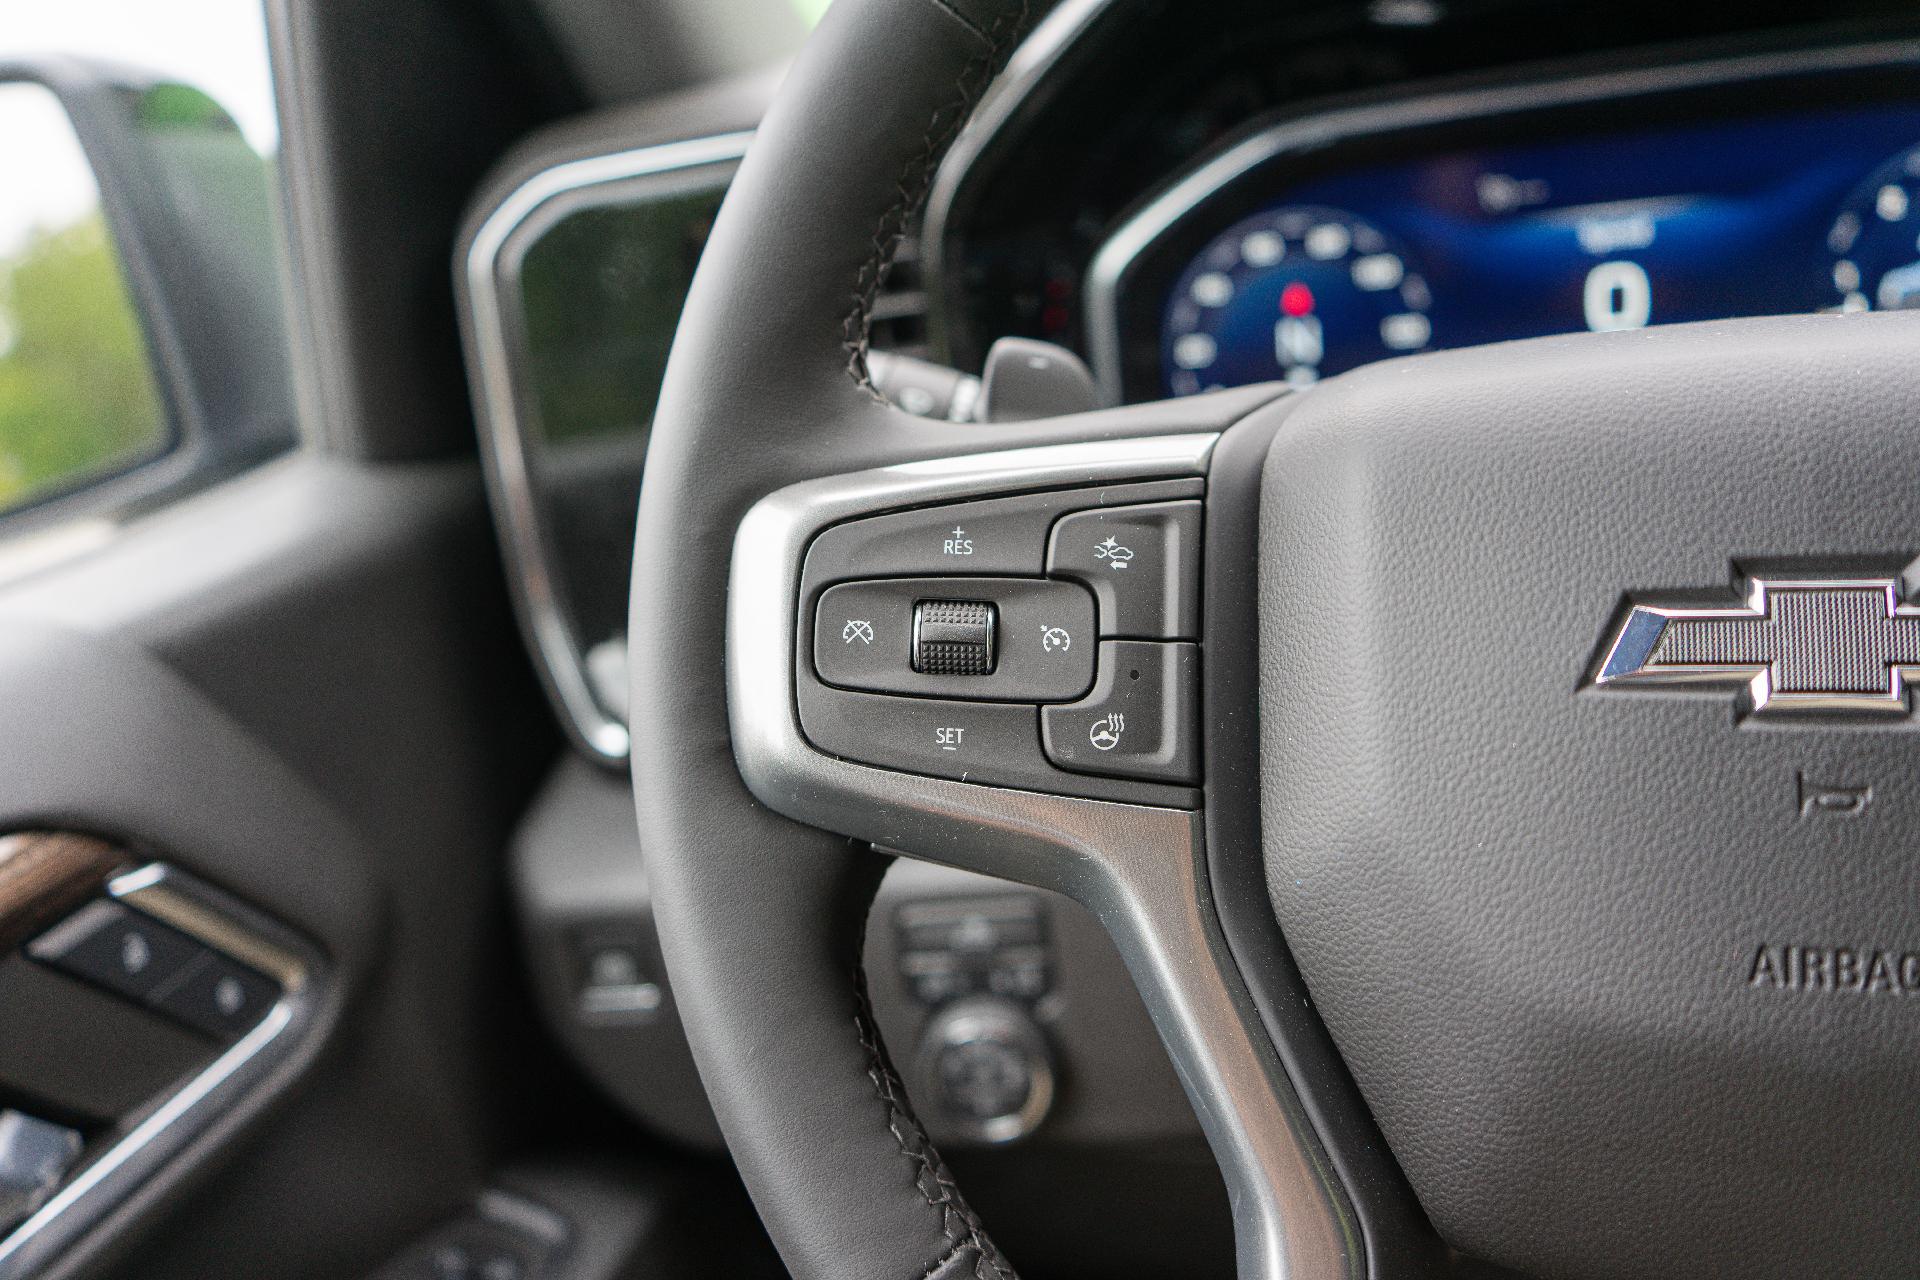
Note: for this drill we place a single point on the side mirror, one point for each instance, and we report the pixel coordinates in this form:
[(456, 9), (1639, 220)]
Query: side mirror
[(143, 337)]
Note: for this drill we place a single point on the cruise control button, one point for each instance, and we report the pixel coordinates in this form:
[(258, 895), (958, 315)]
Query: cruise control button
[(1143, 563), (1039, 638), (953, 637), (1004, 535), (1140, 721), (111, 946), (993, 742)]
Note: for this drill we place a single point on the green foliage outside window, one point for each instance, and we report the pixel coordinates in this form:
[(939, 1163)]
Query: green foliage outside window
[(77, 396)]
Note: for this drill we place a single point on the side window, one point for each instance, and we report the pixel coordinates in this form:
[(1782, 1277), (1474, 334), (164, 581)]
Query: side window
[(78, 399), (143, 343)]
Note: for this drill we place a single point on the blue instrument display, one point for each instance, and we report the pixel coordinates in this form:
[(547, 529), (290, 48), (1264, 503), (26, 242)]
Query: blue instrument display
[(1817, 210)]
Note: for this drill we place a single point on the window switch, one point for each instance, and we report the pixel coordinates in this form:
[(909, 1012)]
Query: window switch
[(219, 996), (111, 946)]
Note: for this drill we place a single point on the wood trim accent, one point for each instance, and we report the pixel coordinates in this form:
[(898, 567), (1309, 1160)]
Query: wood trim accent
[(46, 874)]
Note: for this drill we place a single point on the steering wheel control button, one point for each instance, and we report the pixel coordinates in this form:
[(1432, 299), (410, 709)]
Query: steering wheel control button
[(953, 637), (1140, 719), (1001, 536), (219, 996), (1006, 535), (991, 742), (990, 1067), (115, 947), (1142, 562), (994, 639)]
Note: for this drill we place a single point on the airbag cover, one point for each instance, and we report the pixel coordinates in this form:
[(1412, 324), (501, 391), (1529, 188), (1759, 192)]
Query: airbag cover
[(1534, 913)]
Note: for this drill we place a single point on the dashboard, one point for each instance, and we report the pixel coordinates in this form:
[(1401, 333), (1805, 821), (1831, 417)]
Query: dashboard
[(1306, 249)]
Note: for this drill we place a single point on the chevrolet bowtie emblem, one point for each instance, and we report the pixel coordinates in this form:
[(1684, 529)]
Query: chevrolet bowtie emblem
[(1795, 645)]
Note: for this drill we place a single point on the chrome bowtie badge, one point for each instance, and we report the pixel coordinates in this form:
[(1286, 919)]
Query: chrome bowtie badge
[(1795, 645)]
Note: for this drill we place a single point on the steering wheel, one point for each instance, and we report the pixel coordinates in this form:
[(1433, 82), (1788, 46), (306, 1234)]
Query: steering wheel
[(1492, 765)]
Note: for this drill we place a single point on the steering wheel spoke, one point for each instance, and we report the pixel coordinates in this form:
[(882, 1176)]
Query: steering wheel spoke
[(1131, 851)]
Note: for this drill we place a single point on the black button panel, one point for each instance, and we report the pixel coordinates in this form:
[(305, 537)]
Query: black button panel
[(1026, 598), (219, 996), (111, 946), (135, 956), (1143, 563), (1043, 638), (1140, 721)]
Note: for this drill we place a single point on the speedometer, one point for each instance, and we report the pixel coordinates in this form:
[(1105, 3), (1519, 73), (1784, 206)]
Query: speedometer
[(1876, 240), (1295, 293)]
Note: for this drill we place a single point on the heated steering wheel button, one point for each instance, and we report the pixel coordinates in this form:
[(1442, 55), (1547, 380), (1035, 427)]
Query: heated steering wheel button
[(1140, 719), (1143, 563)]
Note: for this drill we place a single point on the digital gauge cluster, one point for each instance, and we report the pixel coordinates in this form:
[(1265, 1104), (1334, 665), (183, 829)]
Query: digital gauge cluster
[(1304, 252), (1296, 292)]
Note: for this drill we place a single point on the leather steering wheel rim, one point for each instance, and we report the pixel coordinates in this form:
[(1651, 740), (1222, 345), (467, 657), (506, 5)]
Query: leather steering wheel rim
[(760, 916)]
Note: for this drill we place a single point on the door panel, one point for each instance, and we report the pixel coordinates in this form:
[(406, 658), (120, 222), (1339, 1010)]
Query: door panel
[(303, 689)]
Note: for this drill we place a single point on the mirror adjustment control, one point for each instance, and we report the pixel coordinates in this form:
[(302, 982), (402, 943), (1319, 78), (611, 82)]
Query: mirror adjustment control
[(1143, 563), (953, 637), (1140, 719)]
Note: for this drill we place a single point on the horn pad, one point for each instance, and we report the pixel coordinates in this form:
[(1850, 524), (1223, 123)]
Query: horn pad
[(1628, 973)]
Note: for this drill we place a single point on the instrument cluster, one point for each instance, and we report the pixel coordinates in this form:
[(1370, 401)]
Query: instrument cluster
[(1310, 247)]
